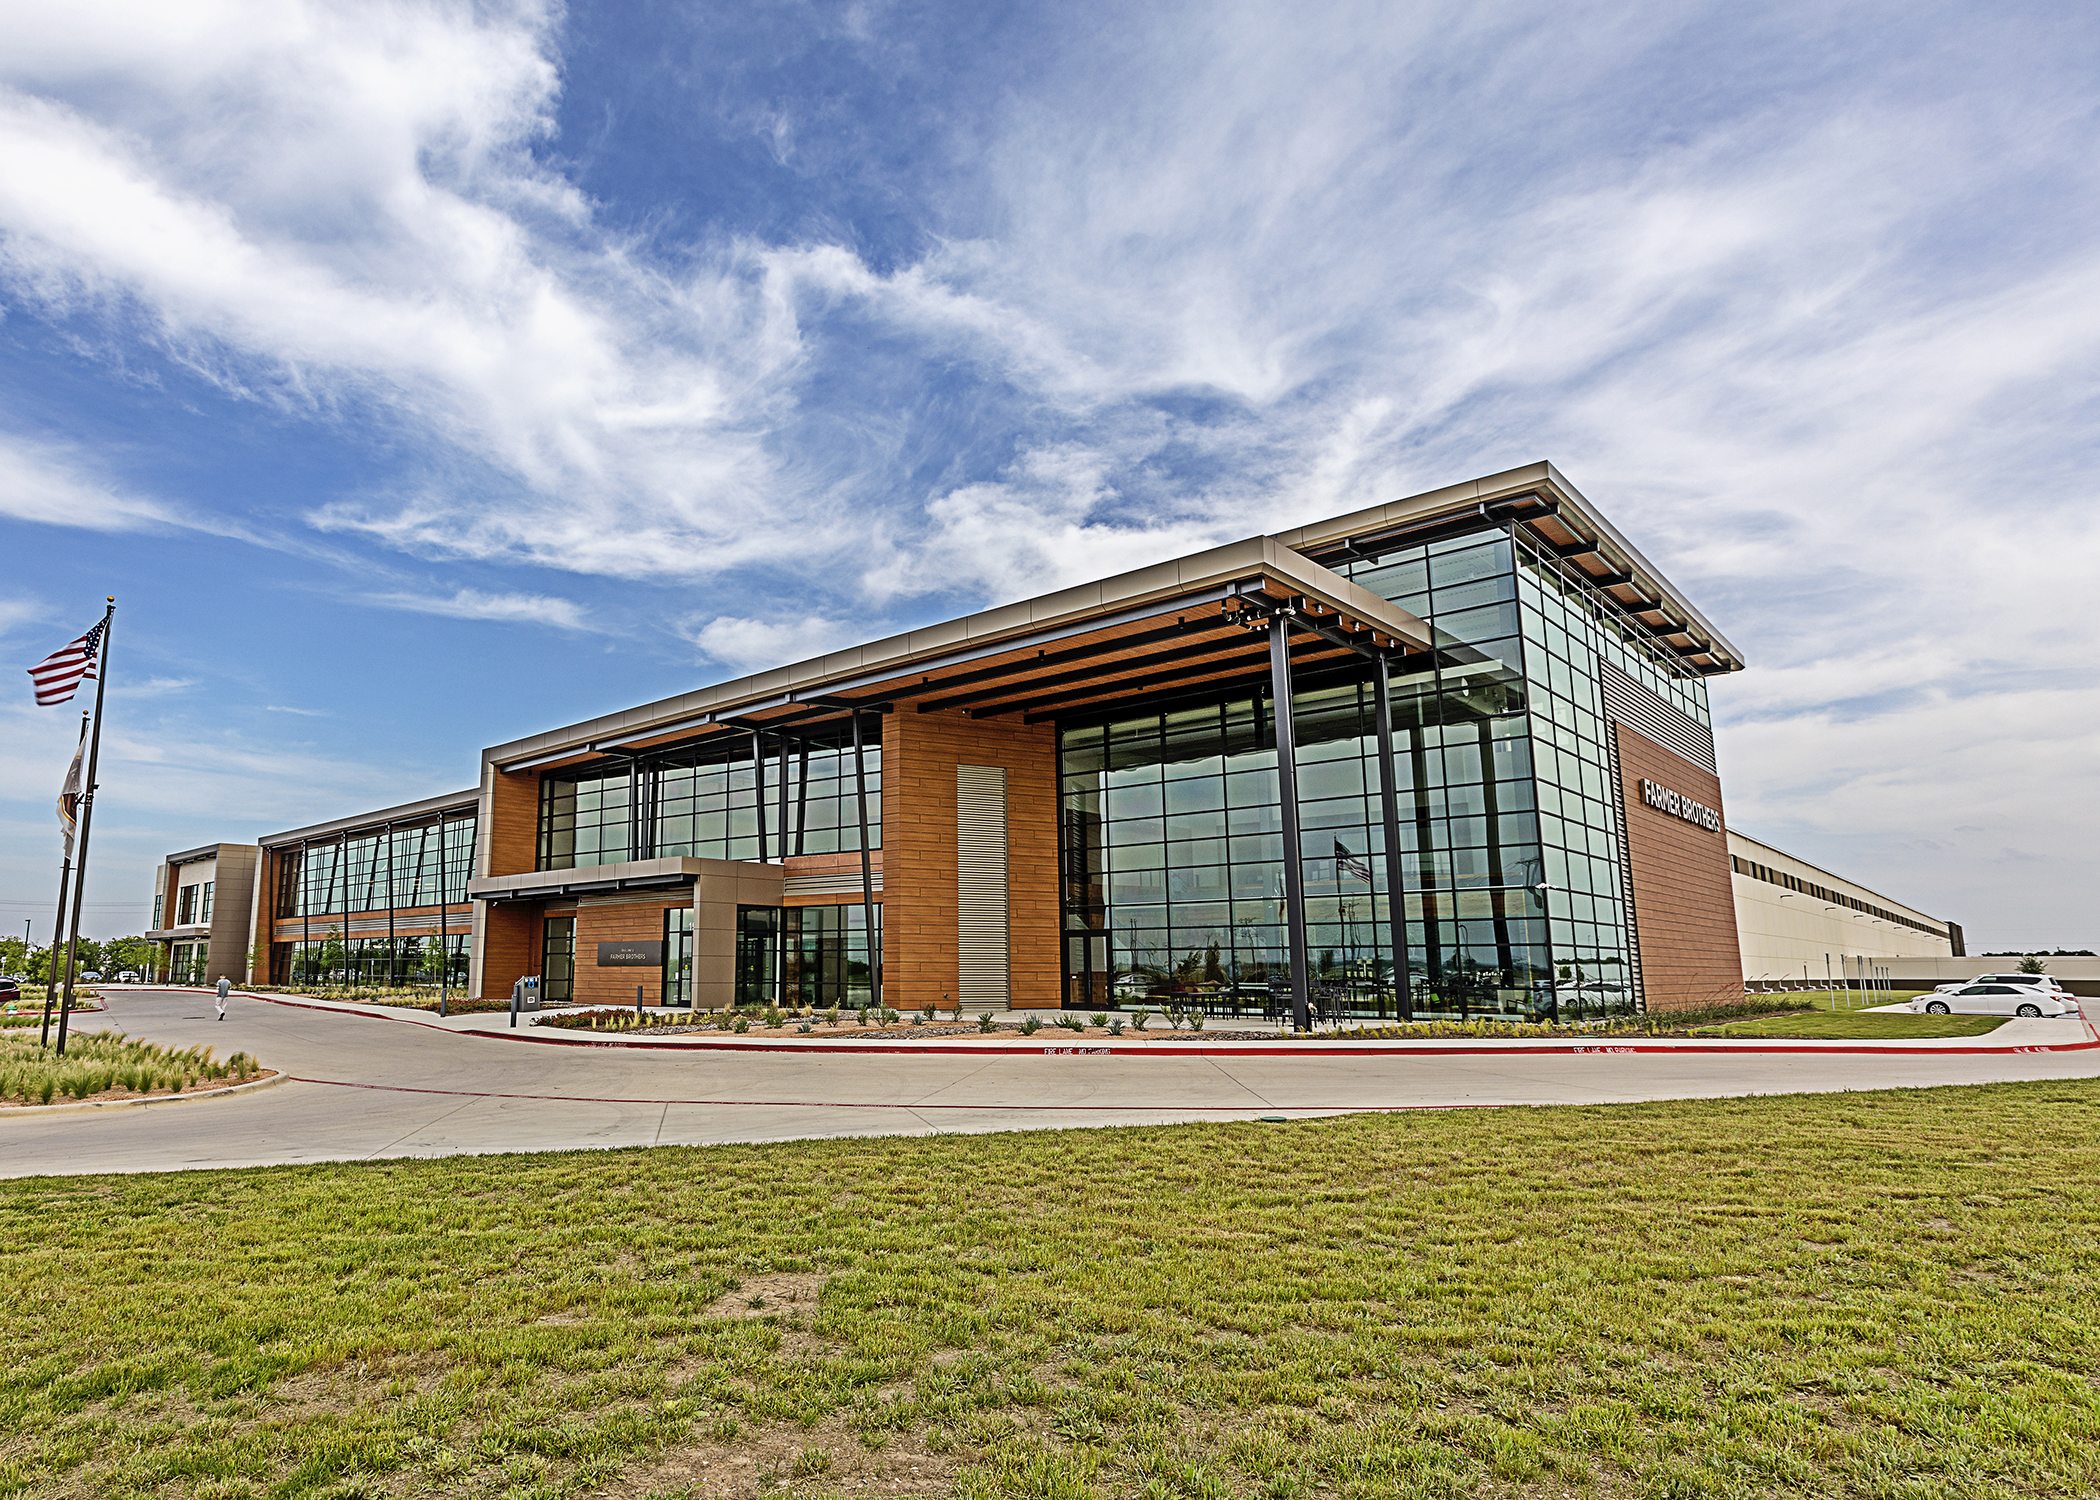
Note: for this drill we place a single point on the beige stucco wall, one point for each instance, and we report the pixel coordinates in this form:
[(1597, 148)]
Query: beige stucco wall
[(1781, 931)]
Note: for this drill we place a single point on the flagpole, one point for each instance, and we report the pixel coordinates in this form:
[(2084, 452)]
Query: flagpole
[(58, 923), (87, 817)]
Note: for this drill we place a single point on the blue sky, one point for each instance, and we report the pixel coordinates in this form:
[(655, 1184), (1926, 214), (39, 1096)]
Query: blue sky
[(419, 376)]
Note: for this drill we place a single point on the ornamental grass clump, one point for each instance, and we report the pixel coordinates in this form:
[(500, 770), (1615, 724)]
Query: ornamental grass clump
[(102, 1062)]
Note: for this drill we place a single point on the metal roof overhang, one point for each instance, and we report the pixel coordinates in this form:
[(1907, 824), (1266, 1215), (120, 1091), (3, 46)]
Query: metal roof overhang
[(1538, 498), (1147, 633), (564, 883)]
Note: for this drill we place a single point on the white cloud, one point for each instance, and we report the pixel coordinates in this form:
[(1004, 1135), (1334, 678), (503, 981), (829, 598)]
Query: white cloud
[(334, 207), (749, 645), (473, 604), (17, 613), (1038, 527), (53, 485)]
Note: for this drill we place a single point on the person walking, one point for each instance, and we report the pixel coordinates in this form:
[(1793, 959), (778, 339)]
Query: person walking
[(225, 988)]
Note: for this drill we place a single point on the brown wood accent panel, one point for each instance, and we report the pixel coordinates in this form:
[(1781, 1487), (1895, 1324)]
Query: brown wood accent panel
[(510, 947), (833, 864), (514, 824), (617, 921), (1307, 653), (1683, 891), (919, 755), (1026, 677)]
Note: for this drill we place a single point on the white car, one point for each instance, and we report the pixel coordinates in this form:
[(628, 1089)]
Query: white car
[(1993, 999), (2047, 982)]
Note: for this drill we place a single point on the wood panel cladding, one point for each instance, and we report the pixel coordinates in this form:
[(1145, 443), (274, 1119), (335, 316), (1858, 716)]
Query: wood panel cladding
[(920, 753), (1683, 893), (616, 921), (511, 823), (510, 947)]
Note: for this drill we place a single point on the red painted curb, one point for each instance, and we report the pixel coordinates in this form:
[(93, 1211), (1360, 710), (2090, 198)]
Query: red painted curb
[(1136, 1109), (1686, 1047)]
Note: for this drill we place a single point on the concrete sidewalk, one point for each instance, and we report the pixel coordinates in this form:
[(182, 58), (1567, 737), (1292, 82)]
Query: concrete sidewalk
[(900, 1038)]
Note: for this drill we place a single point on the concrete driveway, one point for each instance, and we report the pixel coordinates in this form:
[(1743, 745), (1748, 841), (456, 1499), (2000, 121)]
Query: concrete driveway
[(365, 1088)]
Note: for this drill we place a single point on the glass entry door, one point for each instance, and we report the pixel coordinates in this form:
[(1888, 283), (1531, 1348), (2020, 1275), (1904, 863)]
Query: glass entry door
[(678, 955), (757, 953), (558, 962)]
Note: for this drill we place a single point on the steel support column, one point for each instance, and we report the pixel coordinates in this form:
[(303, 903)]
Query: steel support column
[(444, 933), (802, 794), (1389, 813), (392, 952), (867, 866), (758, 783), (1287, 788), (780, 926)]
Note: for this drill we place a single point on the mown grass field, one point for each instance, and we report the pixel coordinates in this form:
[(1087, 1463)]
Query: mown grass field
[(1883, 1295), (1857, 1025)]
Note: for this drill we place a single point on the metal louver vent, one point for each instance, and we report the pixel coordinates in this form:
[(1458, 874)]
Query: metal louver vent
[(1628, 702), (981, 916)]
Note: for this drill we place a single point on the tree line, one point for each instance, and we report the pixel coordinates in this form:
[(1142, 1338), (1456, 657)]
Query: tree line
[(19, 960)]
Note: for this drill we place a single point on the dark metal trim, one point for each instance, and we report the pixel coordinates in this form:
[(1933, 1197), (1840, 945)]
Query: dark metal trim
[(867, 877), (1389, 816), (1287, 789)]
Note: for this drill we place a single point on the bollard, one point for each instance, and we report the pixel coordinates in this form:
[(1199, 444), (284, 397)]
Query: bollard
[(514, 991), (637, 1002)]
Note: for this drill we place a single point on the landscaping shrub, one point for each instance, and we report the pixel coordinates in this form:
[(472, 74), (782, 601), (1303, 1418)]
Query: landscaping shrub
[(99, 1062)]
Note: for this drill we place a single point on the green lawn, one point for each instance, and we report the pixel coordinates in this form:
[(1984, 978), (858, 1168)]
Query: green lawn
[(1853, 1025), (1883, 1295)]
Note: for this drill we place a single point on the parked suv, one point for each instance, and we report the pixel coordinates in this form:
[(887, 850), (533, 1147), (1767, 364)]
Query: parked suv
[(2045, 982)]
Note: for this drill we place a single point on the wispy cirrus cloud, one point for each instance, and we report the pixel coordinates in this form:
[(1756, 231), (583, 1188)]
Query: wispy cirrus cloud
[(337, 209), (52, 484), (475, 604)]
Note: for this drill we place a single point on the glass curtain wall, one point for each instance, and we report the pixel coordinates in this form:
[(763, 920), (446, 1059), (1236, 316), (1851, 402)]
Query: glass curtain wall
[(1477, 880), (827, 955), (373, 962), (702, 802), (1568, 631), (1172, 827), (351, 874)]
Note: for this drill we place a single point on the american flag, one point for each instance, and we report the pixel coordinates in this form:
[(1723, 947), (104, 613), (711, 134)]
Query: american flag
[(1348, 862), (59, 675)]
